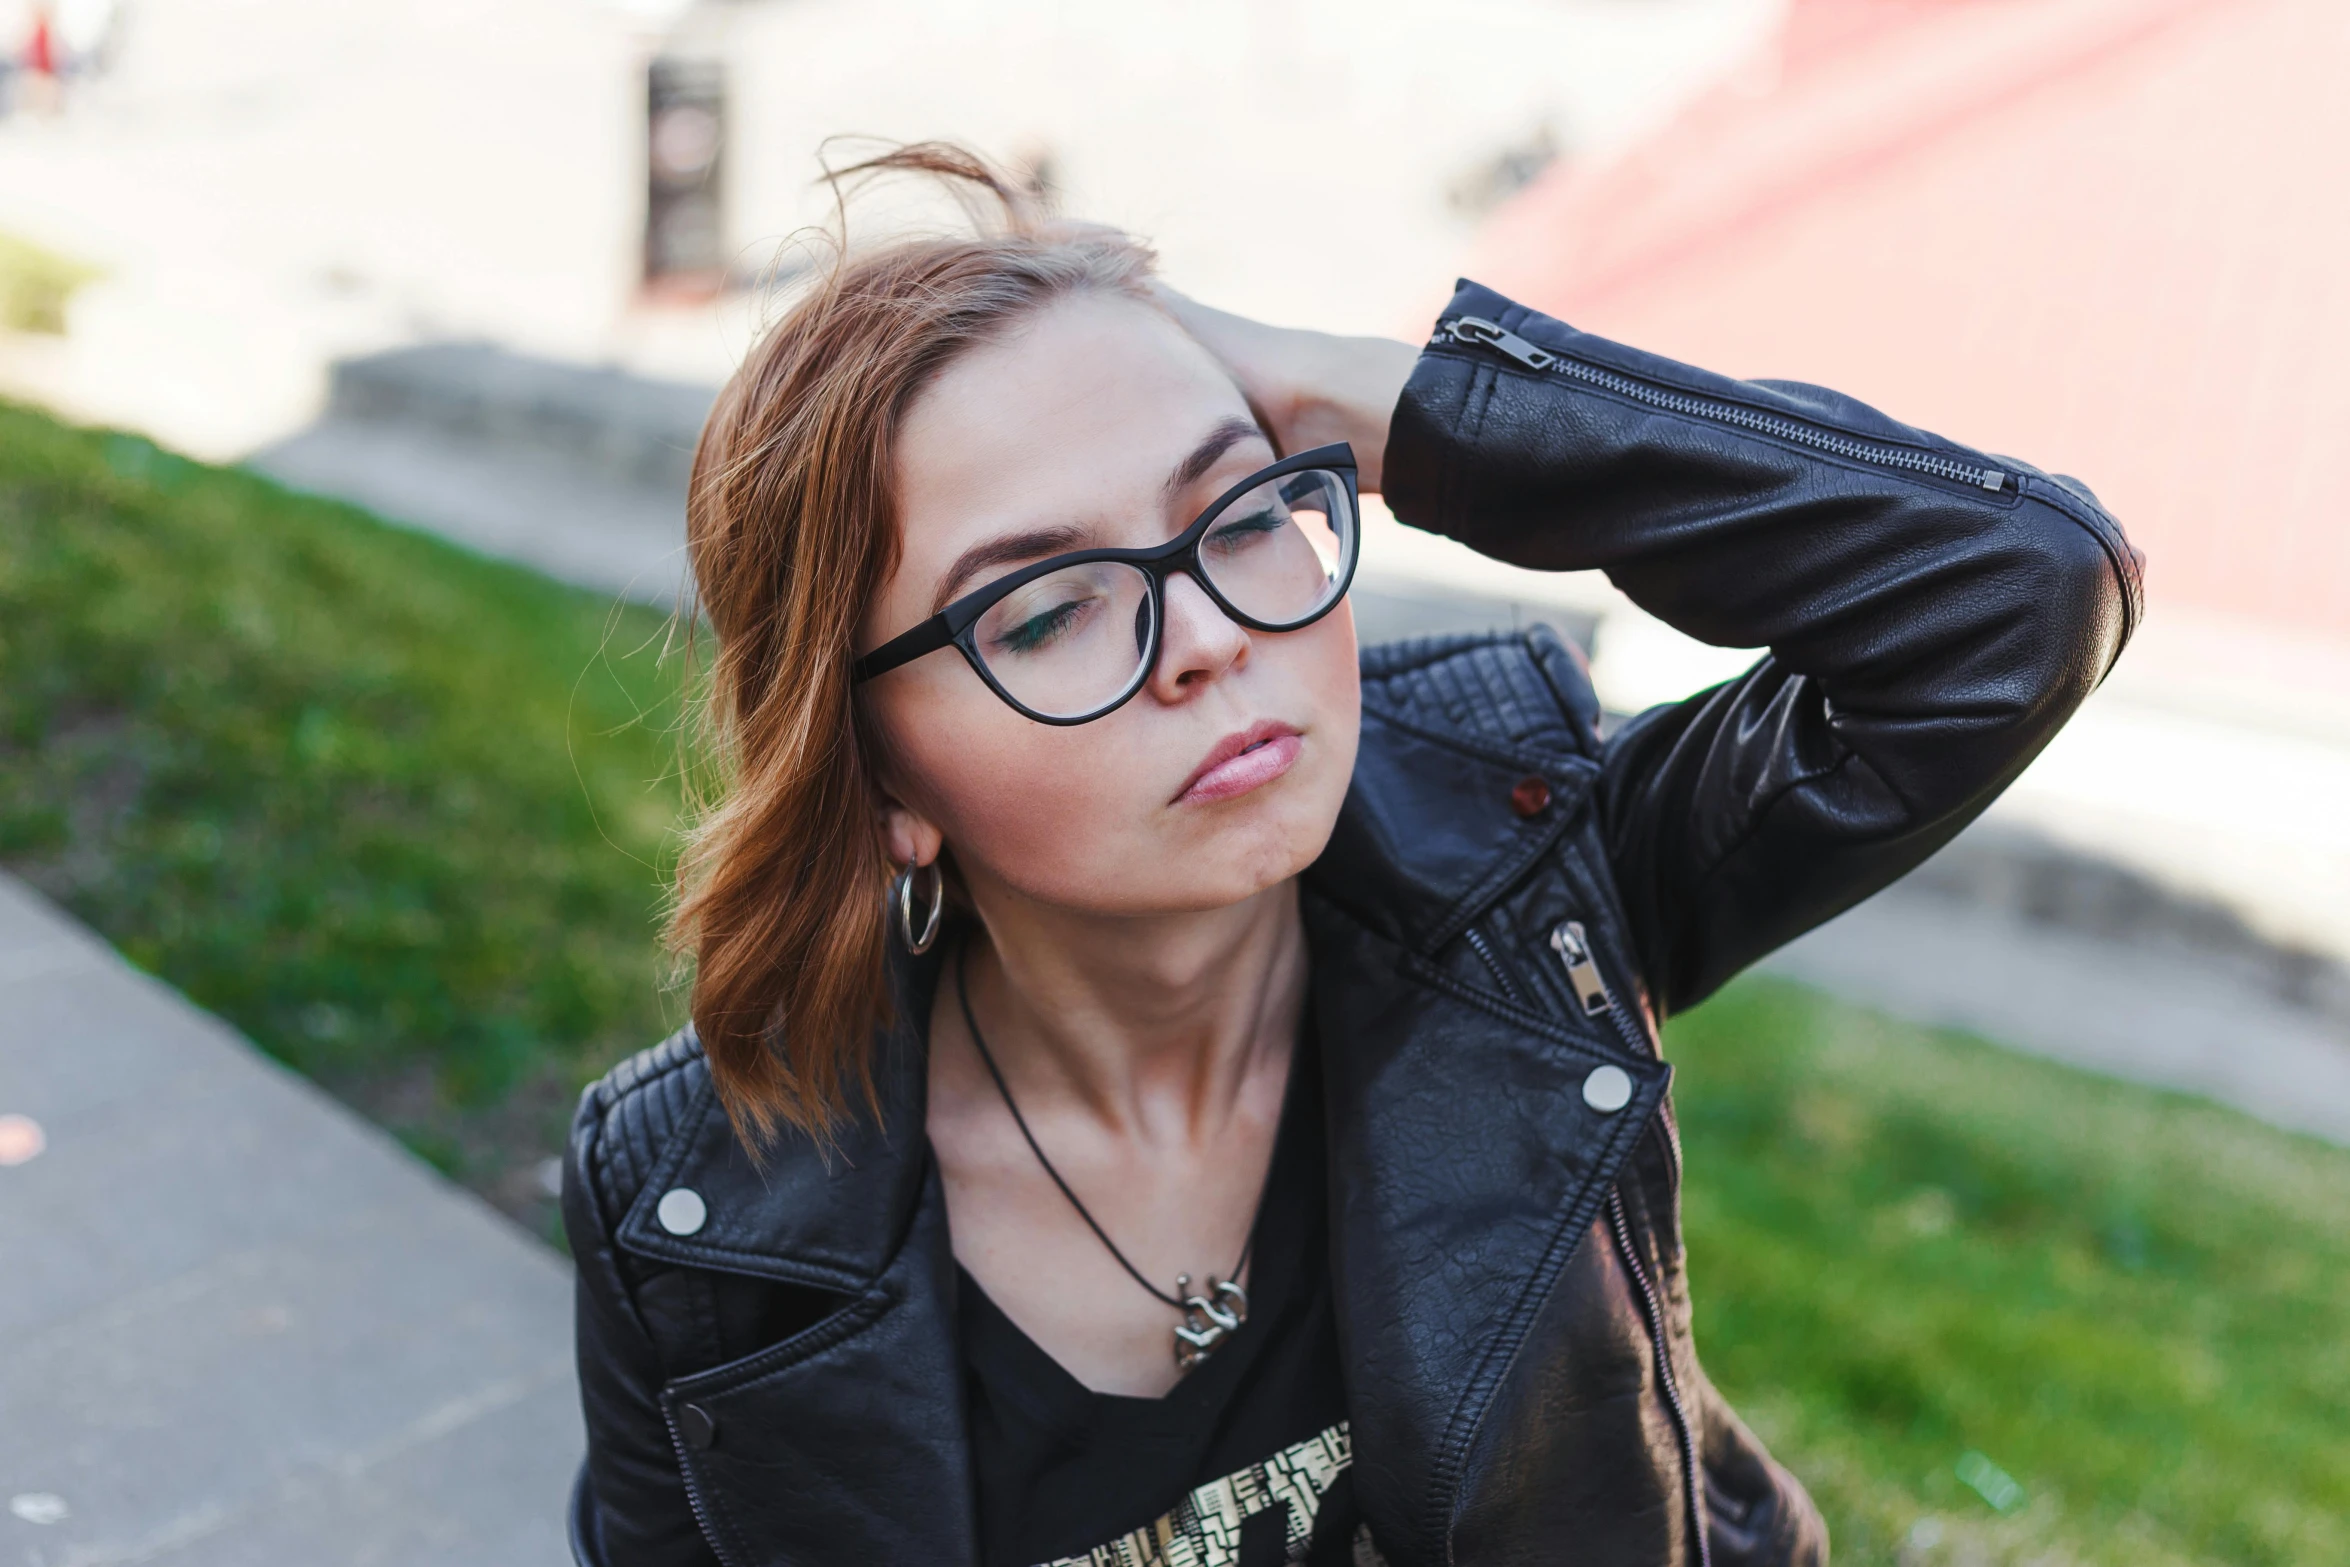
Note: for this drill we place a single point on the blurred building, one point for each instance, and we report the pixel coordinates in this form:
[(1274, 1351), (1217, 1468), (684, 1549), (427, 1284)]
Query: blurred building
[(2108, 235)]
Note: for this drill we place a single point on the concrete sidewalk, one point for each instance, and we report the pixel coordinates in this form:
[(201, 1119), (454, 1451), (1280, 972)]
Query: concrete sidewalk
[(237, 1324)]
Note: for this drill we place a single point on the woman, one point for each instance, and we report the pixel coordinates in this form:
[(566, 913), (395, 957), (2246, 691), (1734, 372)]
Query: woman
[(1161, 1090)]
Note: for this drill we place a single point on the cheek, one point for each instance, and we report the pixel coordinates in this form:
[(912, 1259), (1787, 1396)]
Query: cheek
[(1330, 672), (1056, 813), (1333, 672), (1030, 804)]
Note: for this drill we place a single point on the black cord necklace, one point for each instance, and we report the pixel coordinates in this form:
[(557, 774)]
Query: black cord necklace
[(1208, 1319)]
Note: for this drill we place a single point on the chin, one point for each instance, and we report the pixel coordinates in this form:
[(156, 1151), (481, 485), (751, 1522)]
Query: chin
[(1242, 859)]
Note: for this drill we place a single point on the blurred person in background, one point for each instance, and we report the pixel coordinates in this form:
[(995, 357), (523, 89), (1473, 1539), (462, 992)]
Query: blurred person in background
[(1165, 1085), (46, 43), (28, 57)]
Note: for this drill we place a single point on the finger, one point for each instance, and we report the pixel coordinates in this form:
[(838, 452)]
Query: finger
[(1215, 328)]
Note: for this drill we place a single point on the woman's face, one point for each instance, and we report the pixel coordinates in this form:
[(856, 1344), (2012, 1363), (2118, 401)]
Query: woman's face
[(1098, 421)]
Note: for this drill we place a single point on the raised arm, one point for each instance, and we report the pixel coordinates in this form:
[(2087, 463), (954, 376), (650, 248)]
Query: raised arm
[(1933, 615)]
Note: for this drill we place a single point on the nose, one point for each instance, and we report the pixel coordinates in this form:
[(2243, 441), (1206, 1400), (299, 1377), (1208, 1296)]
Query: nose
[(1198, 645)]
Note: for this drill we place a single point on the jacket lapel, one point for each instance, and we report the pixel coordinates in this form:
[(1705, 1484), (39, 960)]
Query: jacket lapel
[(1466, 1161), (1465, 1164), (846, 1442), (1429, 835)]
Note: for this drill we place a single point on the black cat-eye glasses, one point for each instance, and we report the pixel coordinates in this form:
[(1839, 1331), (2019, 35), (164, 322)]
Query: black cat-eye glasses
[(1071, 638)]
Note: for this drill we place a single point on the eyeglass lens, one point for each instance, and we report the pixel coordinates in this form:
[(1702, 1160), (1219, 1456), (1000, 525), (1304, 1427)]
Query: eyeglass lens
[(1075, 641), (1072, 642)]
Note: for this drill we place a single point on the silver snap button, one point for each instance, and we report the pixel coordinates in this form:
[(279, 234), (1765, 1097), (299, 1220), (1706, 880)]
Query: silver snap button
[(1607, 1090), (682, 1210)]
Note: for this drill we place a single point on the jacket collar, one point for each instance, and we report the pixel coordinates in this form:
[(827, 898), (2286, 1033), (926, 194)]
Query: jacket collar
[(1435, 826), (801, 1211)]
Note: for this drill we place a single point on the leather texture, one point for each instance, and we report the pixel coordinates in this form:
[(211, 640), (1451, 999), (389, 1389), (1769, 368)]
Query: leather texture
[(780, 1386)]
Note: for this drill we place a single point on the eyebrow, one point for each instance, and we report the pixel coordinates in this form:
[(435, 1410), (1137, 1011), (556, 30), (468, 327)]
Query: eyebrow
[(1012, 549), (1015, 549), (1208, 453)]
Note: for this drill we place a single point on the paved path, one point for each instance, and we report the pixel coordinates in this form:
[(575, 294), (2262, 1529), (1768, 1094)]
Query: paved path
[(2129, 1011), (534, 508), (237, 1324)]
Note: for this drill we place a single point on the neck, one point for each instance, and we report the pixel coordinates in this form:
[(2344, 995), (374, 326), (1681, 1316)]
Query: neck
[(1153, 1024)]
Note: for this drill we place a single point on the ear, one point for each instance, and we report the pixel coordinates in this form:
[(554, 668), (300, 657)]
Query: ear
[(907, 836)]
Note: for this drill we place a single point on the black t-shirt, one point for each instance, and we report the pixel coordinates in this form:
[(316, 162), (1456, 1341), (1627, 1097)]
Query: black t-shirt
[(1246, 1459)]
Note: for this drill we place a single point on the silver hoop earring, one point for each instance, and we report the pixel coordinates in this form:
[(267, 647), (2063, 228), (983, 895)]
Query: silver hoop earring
[(902, 896)]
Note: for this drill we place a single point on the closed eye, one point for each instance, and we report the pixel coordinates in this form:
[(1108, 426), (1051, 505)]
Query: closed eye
[(1238, 533), (1045, 627)]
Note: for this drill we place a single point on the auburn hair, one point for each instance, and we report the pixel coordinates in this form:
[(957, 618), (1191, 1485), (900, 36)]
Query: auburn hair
[(792, 529)]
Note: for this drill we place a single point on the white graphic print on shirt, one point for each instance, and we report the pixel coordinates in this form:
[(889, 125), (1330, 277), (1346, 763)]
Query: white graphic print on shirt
[(1204, 1528)]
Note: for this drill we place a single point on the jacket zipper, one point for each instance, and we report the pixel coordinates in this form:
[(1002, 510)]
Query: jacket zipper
[(1484, 949), (1572, 943), (1476, 332), (1573, 946), (693, 1490), (1653, 1310)]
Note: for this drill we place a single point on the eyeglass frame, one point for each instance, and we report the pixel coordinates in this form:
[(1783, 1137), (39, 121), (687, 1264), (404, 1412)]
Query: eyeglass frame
[(955, 625)]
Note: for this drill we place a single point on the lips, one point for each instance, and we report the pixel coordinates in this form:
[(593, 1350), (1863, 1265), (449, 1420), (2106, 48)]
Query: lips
[(1240, 762)]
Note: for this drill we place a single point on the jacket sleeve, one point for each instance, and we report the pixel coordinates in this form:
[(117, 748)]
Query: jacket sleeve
[(1932, 615), (629, 1506)]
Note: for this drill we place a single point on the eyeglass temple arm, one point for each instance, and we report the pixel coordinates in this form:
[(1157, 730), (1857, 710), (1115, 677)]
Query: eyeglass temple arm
[(928, 637)]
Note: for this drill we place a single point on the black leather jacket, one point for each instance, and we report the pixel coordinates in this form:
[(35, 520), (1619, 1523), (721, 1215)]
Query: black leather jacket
[(780, 1384)]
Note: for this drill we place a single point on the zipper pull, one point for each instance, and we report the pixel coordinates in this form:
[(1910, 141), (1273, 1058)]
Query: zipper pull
[(1477, 332), (1574, 950)]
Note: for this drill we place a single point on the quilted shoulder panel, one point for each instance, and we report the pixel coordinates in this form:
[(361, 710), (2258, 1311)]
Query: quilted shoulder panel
[(1525, 688), (629, 1115)]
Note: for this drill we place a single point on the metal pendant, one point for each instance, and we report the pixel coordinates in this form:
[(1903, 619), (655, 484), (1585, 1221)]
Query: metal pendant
[(1208, 1320)]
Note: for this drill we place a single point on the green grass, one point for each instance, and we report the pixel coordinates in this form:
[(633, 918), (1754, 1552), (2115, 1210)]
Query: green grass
[(397, 813), (1908, 1247), (394, 810)]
